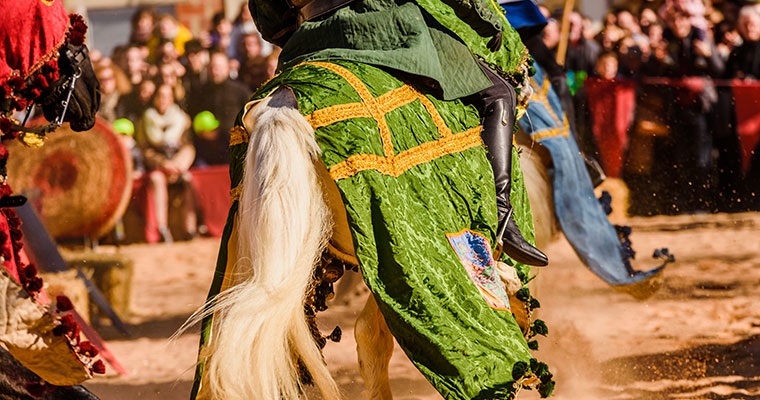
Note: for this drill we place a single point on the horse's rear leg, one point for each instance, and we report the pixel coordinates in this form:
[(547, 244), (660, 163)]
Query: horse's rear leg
[(374, 345)]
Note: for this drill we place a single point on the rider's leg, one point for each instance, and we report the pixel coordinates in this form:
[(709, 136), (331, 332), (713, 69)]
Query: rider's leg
[(497, 111)]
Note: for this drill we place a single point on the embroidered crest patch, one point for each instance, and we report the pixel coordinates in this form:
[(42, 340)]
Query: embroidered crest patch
[(475, 253)]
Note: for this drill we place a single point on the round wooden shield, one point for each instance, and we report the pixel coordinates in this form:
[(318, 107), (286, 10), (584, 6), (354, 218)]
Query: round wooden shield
[(80, 183)]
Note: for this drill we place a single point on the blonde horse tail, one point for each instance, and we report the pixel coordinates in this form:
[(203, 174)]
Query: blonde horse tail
[(260, 336)]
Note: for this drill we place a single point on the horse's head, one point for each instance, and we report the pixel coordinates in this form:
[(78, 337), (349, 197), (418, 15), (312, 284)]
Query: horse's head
[(44, 61), (75, 97)]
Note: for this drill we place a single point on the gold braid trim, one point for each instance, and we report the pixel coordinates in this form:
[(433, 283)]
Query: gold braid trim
[(370, 102), (541, 95), (235, 193), (376, 108), (238, 135), (342, 112), (404, 161), (395, 166), (443, 129), (554, 132)]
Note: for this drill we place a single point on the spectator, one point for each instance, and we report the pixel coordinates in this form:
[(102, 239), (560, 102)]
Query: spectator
[(581, 53), (168, 75), (113, 86), (220, 34), (744, 61), (727, 38), (647, 18), (165, 142), (638, 42), (207, 134), (168, 28), (196, 65), (224, 98), (142, 25), (690, 59), (551, 31), (135, 64), (241, 26), (133, 105), (255, 66)]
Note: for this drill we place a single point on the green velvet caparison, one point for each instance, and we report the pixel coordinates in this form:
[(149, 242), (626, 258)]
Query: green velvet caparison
[(400, 220)]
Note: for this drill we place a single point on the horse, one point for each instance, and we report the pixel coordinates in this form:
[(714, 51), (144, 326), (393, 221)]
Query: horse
[(562, 196), (288, 239), (43, 62)]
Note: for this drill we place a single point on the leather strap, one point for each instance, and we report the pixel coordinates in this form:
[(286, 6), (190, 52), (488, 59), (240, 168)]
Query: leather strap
[(317, 8)]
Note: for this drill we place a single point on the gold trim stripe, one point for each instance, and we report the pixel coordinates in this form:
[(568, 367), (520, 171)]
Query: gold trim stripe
[(342, 112), (238, 135), (395, 166), (554, 132), (443, 129), (541, 95), (404, 161), (370, 102), (235, 192)]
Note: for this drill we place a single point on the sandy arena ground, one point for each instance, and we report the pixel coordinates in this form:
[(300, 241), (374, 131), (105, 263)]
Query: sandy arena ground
[(697, 338)]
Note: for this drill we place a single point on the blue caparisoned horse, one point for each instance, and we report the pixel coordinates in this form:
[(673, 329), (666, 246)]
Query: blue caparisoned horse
[(338, 163)]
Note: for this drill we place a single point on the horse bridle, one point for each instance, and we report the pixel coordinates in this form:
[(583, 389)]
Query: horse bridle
[(75, 56)]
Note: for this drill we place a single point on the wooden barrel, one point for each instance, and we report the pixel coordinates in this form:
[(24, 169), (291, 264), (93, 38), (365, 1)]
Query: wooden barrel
[(80, 183)]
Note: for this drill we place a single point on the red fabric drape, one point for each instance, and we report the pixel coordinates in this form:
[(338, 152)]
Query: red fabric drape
[(31, 31), (747, 96), (212, 192), (612, 104)]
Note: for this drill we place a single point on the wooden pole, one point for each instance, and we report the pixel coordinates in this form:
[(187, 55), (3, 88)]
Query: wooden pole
[(564, 33)]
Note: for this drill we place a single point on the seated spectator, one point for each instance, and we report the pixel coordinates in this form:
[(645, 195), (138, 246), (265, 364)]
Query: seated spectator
[(133, 105), (224, 98), (126, 131), (113, 86), (206, 128), (220, 34), (163, 137), (133, 60), (241, 26), (170, 72)]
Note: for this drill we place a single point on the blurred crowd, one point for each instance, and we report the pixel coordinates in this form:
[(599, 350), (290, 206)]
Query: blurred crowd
[(654, 91), (682, 75), (174, 97)]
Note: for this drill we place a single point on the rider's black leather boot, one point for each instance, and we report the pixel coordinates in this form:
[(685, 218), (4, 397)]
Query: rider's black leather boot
[(498, 125)]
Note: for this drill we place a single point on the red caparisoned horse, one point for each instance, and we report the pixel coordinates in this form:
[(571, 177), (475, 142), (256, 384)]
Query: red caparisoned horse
[(43, 62)]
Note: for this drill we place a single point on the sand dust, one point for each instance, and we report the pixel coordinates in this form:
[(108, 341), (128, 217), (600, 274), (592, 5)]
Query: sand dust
[(697, 338)]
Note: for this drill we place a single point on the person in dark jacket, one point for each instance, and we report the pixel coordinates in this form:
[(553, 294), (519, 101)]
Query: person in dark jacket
[(223, 97)]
